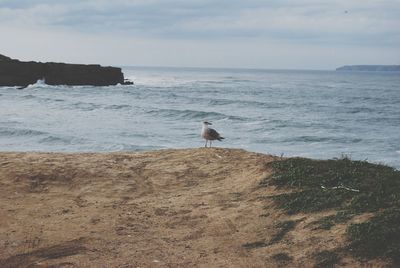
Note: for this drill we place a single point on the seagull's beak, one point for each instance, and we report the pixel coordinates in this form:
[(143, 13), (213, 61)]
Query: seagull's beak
[(209, 123)]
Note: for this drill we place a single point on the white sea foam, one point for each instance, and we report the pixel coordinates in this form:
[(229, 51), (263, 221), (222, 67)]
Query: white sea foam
[(39, 84)]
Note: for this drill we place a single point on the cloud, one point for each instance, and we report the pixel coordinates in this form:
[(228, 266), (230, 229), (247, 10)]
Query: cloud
[(223, 33), (311, 19)]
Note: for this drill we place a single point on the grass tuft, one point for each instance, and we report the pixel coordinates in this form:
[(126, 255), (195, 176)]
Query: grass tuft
[(283, 228), (326, 259), (328, 222), (282, 257), (257, 244)]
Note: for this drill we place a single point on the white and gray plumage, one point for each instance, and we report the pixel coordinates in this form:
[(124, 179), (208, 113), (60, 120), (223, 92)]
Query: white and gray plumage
[(210, 134)]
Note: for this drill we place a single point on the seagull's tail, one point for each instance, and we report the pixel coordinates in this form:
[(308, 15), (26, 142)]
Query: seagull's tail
[(221, 138)]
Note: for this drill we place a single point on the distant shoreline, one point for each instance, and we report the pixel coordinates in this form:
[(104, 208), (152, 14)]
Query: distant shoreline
[(370, 68)]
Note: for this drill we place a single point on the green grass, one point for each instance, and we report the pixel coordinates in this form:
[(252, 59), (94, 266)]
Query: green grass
[(311, 200), (328, 222), (282, 257), (378, 237), (370, 187), (353, 187), (257, 244), (326, 259), (283, 228)]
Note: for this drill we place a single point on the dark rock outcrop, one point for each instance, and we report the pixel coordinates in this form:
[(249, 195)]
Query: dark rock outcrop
[(19, 73), (4, 58)]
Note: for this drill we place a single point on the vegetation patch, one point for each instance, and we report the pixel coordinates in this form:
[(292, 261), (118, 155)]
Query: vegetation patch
[(326, 259), (283, 228), (324, 184), (257, 244), (378, 237), (311, 200), (328, 222), (282, 257), (353, 187)]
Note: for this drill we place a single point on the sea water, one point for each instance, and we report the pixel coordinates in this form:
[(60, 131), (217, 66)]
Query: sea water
[(318, 114)]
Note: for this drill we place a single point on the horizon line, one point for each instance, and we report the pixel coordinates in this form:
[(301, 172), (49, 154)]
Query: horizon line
[(221, 68)]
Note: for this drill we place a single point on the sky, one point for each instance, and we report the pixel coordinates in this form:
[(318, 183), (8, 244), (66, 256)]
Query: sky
[(277, 34)]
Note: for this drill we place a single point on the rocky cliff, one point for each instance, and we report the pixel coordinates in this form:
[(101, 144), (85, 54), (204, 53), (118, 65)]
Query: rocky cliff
[(19, 73)]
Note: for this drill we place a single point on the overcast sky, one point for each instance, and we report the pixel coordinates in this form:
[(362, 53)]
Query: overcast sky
[(283, 34)]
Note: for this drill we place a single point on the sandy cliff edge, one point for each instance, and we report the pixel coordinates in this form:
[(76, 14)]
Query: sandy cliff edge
[(168, 208)]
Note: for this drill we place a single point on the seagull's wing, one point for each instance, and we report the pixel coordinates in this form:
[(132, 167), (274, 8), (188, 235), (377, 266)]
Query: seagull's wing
[(213, 134)]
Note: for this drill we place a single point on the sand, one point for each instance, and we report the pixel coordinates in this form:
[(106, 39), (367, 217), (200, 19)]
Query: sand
[(168, 208)]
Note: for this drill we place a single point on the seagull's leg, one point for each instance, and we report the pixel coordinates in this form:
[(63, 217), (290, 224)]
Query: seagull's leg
[(206, 144), (210, 143)]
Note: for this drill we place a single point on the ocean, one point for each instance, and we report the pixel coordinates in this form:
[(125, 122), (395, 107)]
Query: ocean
[(317, 114)]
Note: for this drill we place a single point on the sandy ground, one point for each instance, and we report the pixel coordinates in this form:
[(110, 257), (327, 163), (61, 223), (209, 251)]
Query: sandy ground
[(169, 208)]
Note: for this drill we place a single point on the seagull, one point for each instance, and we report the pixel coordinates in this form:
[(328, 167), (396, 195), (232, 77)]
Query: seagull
[(209, 134)]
